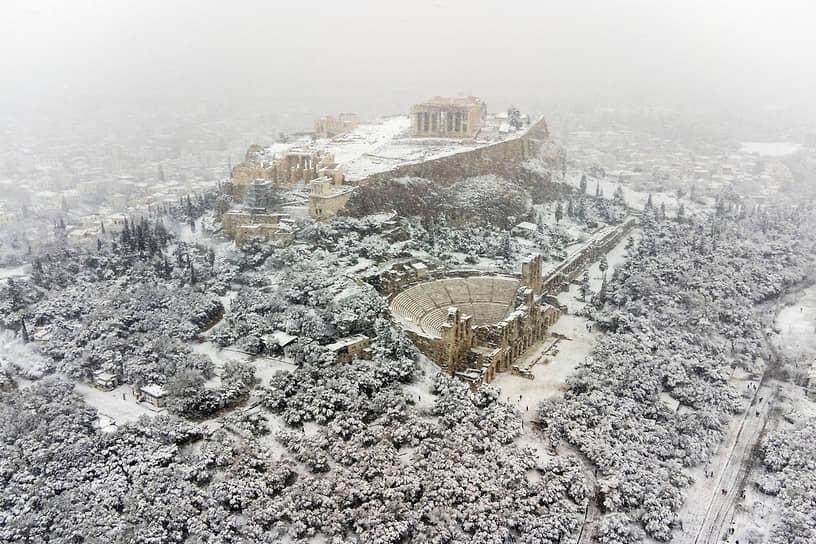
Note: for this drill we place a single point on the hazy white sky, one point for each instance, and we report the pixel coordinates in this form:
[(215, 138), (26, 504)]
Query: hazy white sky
[(380, 56)]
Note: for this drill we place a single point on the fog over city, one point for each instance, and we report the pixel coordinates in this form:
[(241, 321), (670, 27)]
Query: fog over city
[(374, 57), (407, 272)]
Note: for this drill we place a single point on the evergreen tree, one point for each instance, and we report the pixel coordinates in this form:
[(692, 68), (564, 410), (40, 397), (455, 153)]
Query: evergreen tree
[(681, 212), (507, 248), (649, 203), (152, 245), (514, 118), (431, 233), (570, 209), (160, 233), (559, 213), (583, 184), (584, 286), (180, 251), (603, 265), (24, 331), (597, 189), (617, 196), (36, 271), (125, 236), (102, 227)]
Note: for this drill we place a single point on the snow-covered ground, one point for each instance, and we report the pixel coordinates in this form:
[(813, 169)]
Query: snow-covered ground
[(14, 272), (743, 508), (635, 199), (708, 512), (266, 367), (115, 407), (15, 353), (386, 143), (797, 328), (420, 390), (770, 149), (366, 138), (550, 378)]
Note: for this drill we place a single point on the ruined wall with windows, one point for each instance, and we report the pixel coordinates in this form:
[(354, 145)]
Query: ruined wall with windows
[(295, 167)]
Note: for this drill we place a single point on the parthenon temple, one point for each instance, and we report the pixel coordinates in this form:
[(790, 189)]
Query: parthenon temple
[(449, 117)]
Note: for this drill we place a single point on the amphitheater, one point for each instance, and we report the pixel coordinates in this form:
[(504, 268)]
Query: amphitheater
[(423, 308), (476, 326)]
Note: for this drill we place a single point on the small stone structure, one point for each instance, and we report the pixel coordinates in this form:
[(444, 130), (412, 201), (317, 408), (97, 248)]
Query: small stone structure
[(329, 126), (327, 198), (397, 276), (448, 117), (297, 166), (242, 225), (152, 394), (352, 347), (105, 381)]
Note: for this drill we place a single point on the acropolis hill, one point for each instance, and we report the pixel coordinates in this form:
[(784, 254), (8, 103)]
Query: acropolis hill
[(444, 139)]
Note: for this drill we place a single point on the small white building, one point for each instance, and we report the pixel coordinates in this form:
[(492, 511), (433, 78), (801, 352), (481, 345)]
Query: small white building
[(277, 341), (105, 380), (524, 229), (152, 394), (7, 217)]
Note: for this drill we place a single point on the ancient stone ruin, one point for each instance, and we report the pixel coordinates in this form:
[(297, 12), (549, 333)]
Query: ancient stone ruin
[(448, 117), (476, 326)]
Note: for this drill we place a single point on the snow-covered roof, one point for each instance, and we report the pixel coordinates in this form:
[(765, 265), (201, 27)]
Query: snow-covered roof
[(347, 341), (280, 338), (154, 390), (526, 225)]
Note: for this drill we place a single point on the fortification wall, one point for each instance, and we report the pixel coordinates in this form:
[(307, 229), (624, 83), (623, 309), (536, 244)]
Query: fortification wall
[(422, 189), (502, 158)]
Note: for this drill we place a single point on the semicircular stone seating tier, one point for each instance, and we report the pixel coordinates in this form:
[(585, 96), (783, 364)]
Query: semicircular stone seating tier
[(424, 308)]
